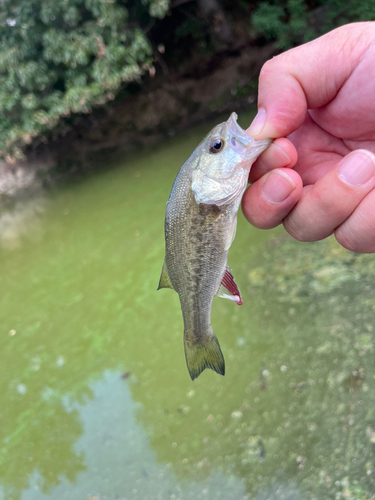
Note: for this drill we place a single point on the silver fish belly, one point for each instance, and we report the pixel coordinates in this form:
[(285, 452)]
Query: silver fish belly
[(200, 226)]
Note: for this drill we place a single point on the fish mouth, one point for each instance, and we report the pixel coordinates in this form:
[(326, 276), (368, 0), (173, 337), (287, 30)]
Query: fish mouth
[(238, 131), (255, 148)]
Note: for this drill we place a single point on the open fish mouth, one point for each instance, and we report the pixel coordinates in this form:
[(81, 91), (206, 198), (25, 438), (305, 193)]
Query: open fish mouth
[(255, 147)]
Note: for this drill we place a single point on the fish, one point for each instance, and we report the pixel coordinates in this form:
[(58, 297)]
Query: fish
[(200, 226)]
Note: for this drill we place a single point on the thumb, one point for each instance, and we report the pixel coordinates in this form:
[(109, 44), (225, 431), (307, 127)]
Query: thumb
[(307, 77)]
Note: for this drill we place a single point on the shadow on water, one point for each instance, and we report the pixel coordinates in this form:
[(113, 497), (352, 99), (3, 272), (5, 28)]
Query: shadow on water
[(95, 398)]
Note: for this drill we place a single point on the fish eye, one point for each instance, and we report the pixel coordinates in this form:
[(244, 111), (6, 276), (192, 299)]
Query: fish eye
[(216, 145)]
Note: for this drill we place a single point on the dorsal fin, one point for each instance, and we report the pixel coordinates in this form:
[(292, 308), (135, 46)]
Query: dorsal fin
[(228, 288), (165, 280)]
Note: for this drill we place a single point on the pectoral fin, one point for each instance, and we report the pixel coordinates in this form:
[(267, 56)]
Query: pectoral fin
[(228, 288), (232, 233), (165, 280)]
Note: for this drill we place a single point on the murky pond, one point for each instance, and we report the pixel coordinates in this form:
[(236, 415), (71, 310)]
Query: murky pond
[(95, 398)]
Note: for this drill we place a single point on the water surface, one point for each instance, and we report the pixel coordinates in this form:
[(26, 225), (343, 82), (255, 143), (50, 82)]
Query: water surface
[(95, 398)]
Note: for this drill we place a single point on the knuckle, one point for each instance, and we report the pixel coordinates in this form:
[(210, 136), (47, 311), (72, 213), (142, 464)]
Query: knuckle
[(347, 240), (266, 69), (275, 64), (298, 232)]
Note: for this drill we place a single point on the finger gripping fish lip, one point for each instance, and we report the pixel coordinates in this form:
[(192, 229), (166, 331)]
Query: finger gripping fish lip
[(254, 148)]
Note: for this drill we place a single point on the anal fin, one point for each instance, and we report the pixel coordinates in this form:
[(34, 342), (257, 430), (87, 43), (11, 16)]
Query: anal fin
[(165, 280), (228, 288)]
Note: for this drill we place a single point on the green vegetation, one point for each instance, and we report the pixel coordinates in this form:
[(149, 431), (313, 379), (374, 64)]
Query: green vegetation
[(60, 58), (63, 57), (293, 22)]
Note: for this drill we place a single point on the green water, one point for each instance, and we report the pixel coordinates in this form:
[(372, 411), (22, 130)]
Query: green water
[(95, 398)]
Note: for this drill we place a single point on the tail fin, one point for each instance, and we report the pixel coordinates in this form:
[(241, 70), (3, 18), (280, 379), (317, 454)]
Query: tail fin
[(203, 354)]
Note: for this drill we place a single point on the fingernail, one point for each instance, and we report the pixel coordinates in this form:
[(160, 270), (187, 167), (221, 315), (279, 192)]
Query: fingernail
[(278, 187), (258, 123), (282, 157), (357, 168), (277, 156)]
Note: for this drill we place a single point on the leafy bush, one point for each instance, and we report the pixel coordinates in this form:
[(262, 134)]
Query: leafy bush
[(292, 22), (59, 57)]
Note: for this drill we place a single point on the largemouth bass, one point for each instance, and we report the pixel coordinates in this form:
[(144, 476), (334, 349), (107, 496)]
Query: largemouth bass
[(200, 226)]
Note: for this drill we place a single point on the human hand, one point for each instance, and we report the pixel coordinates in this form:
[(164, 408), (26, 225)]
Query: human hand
[(321, 179)]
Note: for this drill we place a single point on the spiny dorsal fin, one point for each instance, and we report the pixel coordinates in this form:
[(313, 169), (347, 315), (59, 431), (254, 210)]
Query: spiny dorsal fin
[(228, 288), (165, 280)]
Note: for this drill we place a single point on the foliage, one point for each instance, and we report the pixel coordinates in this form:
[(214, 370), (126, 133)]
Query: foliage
[(284, 22), (292, 22), (59, 58), (62, 57)]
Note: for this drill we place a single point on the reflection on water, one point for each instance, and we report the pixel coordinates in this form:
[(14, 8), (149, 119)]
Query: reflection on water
[(95, 398), (118, 459)]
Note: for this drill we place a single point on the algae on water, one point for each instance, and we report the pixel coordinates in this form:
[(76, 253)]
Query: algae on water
[(294, 416)]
